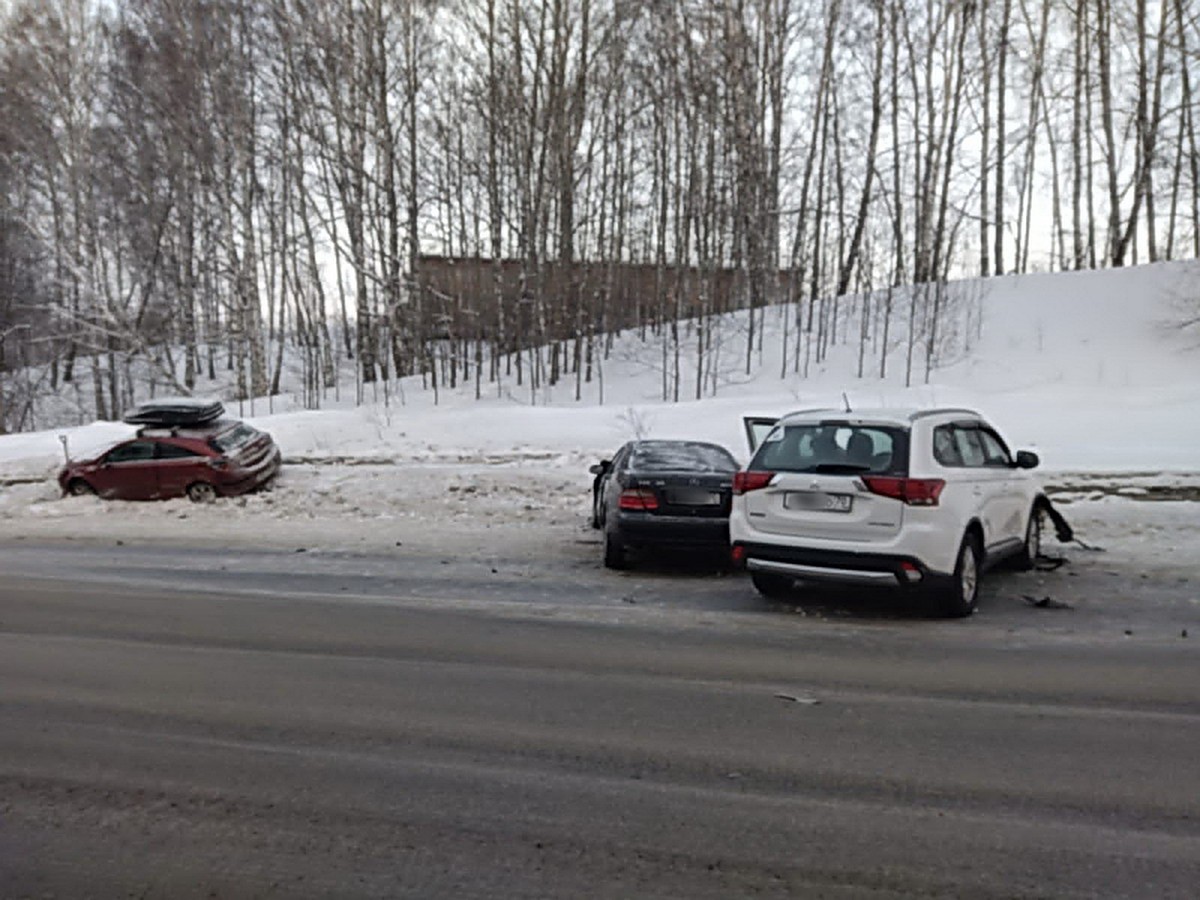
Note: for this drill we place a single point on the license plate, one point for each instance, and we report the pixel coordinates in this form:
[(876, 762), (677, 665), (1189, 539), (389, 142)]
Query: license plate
[(818, 501), (694, 497)]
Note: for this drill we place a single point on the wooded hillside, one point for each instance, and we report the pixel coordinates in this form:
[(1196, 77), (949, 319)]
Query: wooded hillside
[(188, 186)]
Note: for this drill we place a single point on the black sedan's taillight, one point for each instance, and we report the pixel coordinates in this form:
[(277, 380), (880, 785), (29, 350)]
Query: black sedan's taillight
[(640, 499)]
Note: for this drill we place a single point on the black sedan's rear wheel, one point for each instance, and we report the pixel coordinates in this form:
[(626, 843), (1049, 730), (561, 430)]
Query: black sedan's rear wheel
[(615, 554)]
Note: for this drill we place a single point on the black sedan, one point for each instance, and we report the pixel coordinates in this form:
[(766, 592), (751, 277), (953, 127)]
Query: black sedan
[(656, 493)]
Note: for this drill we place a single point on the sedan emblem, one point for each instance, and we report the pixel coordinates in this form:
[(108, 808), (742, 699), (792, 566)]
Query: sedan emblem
[(815, 485)]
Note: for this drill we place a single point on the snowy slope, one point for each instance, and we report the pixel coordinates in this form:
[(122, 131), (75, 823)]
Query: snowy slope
[(1087, 368)]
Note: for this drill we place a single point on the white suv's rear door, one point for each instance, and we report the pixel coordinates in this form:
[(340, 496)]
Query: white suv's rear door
[(824, 506), (757, 429), (817, 488)]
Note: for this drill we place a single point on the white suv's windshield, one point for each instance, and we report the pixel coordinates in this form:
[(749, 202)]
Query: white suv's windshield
[(824, 447)]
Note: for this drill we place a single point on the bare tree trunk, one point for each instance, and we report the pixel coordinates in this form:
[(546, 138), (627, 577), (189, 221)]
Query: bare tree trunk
[(1188, 123), (1090, 167), (1154, 125), (897, 189), (1037, 34), (985, 137), (1115, 247), (1077, 137), (799, 265), (940, 252), (1001, 122), (872, 141), (1146, 130)]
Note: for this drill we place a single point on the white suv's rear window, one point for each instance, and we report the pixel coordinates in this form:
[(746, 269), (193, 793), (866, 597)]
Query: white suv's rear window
[(870, 449)]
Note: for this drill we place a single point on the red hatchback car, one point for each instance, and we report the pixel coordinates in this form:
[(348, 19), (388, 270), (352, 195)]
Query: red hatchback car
[(201, 462)]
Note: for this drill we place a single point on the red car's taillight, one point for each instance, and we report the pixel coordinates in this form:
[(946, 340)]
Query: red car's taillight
[(642, 499), (745, 482), (913, 491)]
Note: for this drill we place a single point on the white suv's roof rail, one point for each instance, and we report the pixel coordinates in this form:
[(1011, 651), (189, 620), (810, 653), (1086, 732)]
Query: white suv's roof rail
[(810, 409), (939, 411), (897, 415)]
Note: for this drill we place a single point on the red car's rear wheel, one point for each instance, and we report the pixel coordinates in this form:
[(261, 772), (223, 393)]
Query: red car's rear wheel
[(201, 492)]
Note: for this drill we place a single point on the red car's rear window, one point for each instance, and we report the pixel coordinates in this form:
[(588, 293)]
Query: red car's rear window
[(236, 437)]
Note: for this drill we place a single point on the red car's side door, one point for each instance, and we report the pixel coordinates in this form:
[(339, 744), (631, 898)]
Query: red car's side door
[(128, 472), (178, 467)]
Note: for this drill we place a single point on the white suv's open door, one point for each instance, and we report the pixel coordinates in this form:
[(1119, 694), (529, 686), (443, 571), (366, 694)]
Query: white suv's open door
[(757, 428)]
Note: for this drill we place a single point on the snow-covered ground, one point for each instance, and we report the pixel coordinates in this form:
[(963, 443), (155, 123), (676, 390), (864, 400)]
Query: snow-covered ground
[(1083, 367), (522, 510)]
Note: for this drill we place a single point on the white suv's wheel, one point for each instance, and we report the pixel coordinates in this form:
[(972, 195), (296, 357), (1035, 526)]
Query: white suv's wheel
[(773, 586), (961, 594), (1027, 558)]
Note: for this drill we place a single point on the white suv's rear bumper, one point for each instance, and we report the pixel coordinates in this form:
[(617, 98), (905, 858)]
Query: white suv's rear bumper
[(922, 546), (880, 578)]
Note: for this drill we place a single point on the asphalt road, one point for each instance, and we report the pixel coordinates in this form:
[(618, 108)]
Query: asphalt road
[(437, 732)]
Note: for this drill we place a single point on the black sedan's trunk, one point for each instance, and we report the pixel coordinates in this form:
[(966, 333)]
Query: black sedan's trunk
[(686, 493)]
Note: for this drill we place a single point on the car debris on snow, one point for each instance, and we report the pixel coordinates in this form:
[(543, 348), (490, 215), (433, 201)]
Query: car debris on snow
[(796, 698), (1046, 602)]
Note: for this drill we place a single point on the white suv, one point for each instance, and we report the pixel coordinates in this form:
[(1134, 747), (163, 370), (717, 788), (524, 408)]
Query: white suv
[(928, 497)]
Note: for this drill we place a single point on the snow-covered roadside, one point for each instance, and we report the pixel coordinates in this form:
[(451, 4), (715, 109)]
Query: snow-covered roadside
[(522, 510), (1139, 536), (460, 509), (1071, 430)]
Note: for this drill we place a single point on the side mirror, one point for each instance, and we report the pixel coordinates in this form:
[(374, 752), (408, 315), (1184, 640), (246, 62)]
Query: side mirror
[(1027, 459), (601, 467)]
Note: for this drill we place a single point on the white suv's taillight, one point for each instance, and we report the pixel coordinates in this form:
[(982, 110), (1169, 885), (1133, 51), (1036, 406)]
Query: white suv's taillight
[(913, 491), (745, 482)]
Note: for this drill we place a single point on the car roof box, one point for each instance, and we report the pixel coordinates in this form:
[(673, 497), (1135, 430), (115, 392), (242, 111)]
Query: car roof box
[(176, 411)]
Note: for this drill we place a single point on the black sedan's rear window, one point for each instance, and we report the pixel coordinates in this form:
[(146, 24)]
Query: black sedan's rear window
[(820, 447), (681, 456)]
